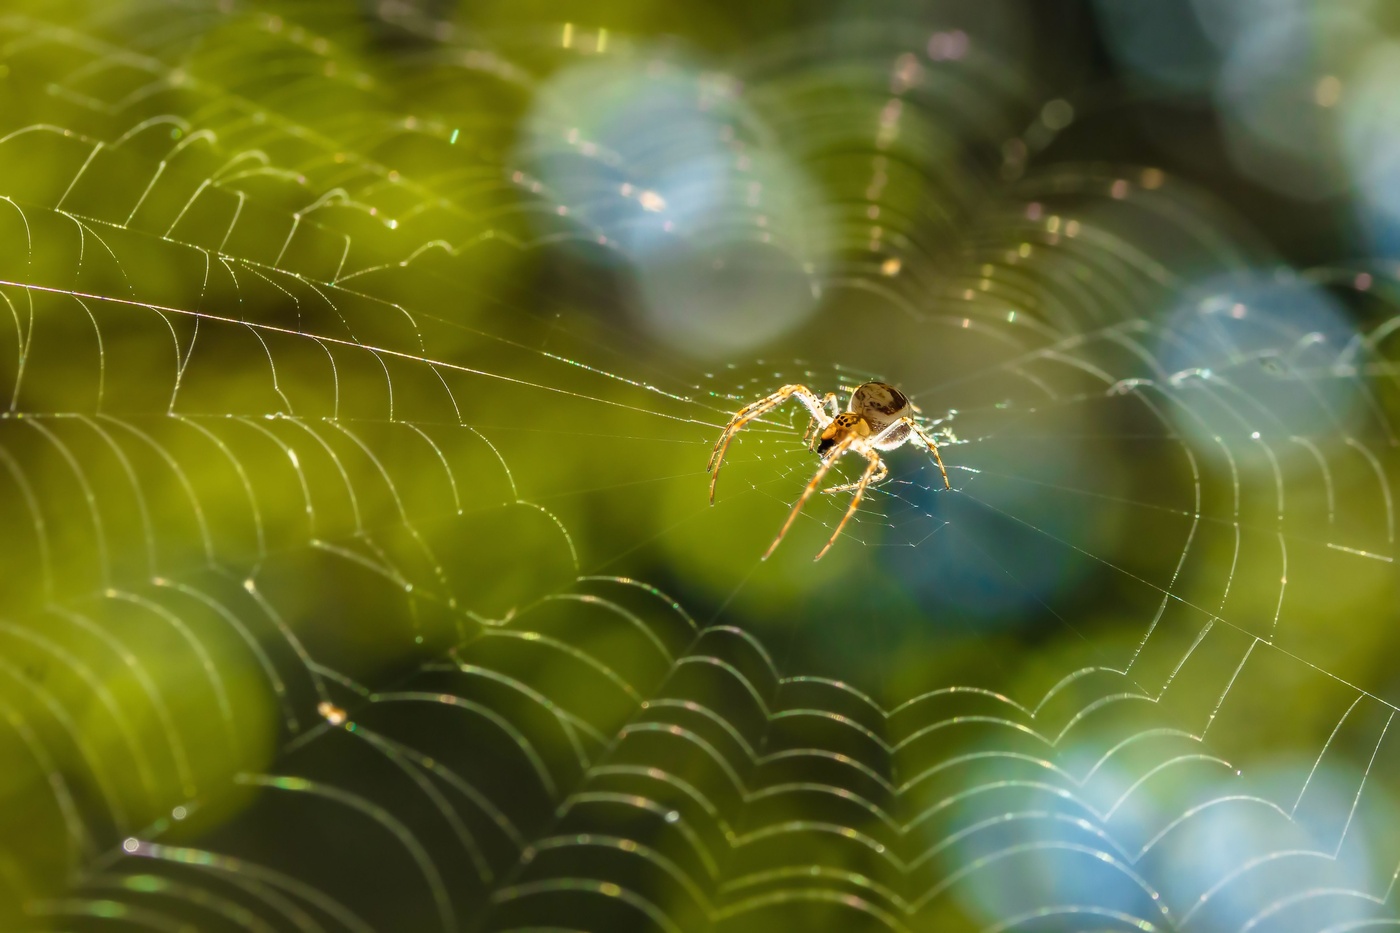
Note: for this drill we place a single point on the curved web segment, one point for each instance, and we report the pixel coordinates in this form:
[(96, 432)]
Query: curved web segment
[(314, 617)]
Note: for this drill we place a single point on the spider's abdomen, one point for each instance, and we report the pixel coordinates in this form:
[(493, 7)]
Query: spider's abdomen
[(880, 404)]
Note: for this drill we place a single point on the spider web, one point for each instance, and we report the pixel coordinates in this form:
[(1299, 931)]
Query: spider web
[(359, 569)]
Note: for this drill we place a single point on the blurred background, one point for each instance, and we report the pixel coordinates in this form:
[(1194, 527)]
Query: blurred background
[(359, 368)]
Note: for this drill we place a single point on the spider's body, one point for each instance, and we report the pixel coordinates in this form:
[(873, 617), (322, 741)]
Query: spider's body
[(877, 417), (873, 409)]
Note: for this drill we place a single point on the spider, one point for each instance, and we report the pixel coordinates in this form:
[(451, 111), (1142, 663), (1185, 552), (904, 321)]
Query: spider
[(878, 417)]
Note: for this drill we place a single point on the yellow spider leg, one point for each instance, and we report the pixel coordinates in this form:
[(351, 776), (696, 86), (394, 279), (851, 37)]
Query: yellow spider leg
[(841, 447), (813, 424), (933, 449), (855, 500), (744, 416), (880, 476)]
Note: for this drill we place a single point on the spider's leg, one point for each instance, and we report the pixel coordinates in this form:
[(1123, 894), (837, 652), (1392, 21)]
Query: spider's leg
[(882, 474), (743, 417), (887, 430), (755, 410), (841, 447), (870, 468), (828, 401), (922, 435)]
